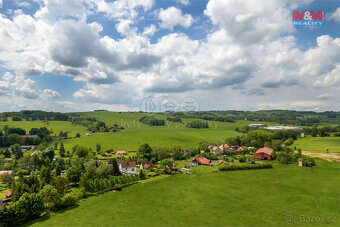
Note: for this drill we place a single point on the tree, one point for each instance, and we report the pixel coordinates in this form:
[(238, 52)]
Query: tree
[(78, 135), (29, 206), (49, 154), (115, 166), (55, 145), (19, 189), (165, 163), (60, 183), (16, 150), (6, 178), (142, 175), (45, 175), (73, 174), (98, 148), (144, 151), (50, 196), (62, 150)]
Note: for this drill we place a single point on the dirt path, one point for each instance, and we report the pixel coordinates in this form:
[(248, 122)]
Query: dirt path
[(327, 156)]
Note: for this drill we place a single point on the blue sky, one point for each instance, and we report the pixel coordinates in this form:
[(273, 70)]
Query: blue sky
[(72, 55)]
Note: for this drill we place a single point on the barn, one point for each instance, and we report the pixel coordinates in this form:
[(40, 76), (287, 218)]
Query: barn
[(264, 153)]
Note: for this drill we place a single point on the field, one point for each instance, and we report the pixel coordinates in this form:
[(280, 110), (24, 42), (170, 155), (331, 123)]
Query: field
[(136, 133), (205, 198), (309, 143)]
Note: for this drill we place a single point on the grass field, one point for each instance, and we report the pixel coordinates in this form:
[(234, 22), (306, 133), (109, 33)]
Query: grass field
[(237, 198), (136, 133), (55, 126), (310, 143)]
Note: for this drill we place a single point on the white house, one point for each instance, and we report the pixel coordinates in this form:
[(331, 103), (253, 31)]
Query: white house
[(128, 167)]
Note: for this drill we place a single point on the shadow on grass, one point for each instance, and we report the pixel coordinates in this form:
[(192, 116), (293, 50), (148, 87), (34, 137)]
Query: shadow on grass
[(46, 216)]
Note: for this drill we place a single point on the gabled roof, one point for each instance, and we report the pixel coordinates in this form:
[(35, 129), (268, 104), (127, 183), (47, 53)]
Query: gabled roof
[(146, 166), (128, 164), (146, 163), (265, 150), (224, 146), (203, 161), (9, 193)]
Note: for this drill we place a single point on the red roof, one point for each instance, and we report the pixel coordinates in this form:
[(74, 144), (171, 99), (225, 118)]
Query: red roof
[(203, 160), (146, 166), (128, 164), (28, 136), (121, 152), (8, 194), (265, 150), (224, 146)]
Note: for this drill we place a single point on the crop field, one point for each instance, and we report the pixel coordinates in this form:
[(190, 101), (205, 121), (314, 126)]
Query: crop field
[(261, 197)]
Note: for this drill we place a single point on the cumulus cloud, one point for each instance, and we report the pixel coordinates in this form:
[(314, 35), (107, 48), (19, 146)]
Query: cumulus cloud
[(250, 21), (172, 17), (335, 15), (26, 88), (150, 31), (121, 9), (48, 93)]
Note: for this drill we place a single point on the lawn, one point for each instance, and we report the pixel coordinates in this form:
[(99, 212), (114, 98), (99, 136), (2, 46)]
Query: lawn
[(205, 198), (310, 143)]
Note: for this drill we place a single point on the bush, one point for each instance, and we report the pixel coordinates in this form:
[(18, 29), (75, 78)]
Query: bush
[(252, 162), (244, 167), (70, 199)]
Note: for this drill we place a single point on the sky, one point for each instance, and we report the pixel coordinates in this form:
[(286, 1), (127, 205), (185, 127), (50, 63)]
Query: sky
[(158, 55)]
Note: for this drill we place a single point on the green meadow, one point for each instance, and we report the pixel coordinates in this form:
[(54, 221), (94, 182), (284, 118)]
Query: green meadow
[(309, 143), (136, 133), (269, 197)]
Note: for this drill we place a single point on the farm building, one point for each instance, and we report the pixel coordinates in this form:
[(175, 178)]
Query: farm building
[(145, 165), (264, 153), (121, 153), (201, 161), (224, 147)]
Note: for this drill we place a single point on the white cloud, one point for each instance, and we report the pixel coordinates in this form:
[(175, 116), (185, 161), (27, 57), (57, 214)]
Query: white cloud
[(184, 2), (48, 93), (0, 3), (172, 17), (26, 88), (22, 3), (150, 31), (335, 15), (250, 21), (121, 9)]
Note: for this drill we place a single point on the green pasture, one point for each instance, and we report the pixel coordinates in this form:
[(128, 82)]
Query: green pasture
[(309, 143), (237, 198)]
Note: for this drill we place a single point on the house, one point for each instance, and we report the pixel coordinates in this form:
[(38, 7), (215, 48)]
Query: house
[(241, 148), (121, 153), (88, 134), (201, 161), (145, 165), (11, 172), (234, 148), (28, 136), (224, 147), (255, 125), (8, 194), (264, 153), (214, 149), (127, 167)]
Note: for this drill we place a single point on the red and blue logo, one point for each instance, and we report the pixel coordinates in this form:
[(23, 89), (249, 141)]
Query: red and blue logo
[(308, 18)]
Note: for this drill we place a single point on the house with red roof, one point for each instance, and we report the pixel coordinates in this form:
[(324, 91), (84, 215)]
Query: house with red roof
[(264, 153), (128, 167), (145, 165), (201, 161)]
